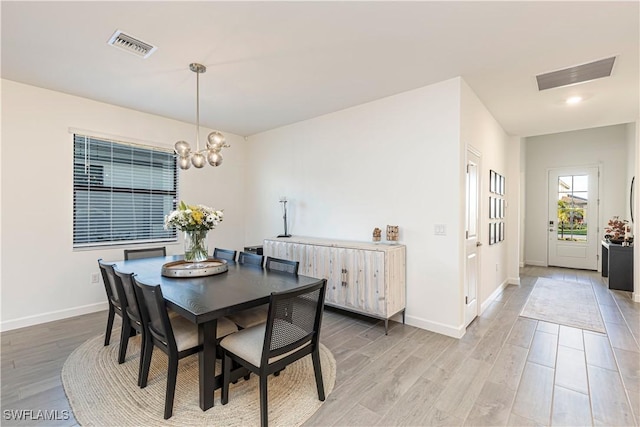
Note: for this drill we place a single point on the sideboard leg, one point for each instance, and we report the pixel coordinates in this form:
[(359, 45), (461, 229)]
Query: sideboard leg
[(386, 326)]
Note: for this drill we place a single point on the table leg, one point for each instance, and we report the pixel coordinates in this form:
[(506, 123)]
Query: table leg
[(207, 362)]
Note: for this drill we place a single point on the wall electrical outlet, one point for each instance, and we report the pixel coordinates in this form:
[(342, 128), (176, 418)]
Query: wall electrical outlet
[(440, 230), (95, 278)]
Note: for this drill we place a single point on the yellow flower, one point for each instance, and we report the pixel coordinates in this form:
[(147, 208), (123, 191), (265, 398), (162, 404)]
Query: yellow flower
[(197, 216)]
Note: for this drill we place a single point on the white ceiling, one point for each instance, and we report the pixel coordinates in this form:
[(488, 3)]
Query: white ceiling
[(276, 63)]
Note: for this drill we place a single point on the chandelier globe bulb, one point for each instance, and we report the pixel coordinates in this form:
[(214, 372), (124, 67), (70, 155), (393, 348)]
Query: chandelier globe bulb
[(198, 160), (215, 138), (214, 158), (182, 148), (184, 163)]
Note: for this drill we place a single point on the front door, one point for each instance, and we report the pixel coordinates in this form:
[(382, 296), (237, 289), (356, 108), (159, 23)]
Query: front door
[(573, 218), (472, 241)]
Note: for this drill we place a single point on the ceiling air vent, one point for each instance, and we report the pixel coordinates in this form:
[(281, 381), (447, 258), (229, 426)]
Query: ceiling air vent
[(131, 44), (578, 74)]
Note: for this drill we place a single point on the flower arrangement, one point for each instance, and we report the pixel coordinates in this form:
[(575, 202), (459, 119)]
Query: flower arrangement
[(195, 221), (616, 228), (193, 218)]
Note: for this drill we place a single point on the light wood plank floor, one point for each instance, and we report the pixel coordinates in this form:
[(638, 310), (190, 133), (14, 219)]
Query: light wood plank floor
[(506, 370)]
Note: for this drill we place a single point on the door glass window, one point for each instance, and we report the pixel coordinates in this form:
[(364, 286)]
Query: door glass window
[(573, 200), (472, 201)]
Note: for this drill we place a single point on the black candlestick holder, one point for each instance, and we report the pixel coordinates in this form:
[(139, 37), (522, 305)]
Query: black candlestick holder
[(284, 217)]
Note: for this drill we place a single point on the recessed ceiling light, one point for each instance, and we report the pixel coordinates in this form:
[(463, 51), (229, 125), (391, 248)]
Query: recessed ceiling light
[(573, 100)]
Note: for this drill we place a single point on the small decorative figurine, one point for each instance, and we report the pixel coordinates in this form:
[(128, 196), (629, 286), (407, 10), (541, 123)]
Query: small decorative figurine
[(377, 234), (392, 233)]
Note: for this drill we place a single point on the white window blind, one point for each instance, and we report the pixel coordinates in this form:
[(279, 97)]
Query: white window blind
[(121, 192)]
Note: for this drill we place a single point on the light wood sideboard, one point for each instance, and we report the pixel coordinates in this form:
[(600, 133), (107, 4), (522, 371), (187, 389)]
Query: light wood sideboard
[(362, 277)]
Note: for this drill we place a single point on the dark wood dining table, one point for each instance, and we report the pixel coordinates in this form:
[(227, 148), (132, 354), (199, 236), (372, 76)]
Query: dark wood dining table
[(203, 300)]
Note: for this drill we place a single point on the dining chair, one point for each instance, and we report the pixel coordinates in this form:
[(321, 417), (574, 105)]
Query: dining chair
[(117, 305), (144, 253), (176, 336), (252, 316), (283, 265), (226, 254), (250, 259), (292, 331), (132, 311)]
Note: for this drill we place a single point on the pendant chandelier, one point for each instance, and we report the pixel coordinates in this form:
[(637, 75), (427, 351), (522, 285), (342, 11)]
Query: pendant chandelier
[(215, 141)]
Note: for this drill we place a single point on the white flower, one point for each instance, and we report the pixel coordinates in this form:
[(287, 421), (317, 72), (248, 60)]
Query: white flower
[(193, 218)]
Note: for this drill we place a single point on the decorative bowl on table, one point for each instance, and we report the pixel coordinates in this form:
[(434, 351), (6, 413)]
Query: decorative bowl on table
[(182, 268)]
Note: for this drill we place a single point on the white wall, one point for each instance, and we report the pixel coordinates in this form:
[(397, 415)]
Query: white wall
[(499, 152), (631, 168), (522, 162), (397, 160), (391, 161), (605, 146), (636, 208), (42, 277), (513, 210)]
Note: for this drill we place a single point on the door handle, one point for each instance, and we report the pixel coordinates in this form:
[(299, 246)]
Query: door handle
[(478, 244), (343, 277)]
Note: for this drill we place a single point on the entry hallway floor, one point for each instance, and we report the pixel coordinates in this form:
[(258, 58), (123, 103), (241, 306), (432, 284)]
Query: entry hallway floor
[(506, 370)]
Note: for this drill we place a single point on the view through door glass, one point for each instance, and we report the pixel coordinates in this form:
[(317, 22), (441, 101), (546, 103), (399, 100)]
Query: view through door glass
[(573, 203)]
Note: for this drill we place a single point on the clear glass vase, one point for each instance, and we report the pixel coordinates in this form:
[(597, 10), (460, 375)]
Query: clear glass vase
[(195, 246)]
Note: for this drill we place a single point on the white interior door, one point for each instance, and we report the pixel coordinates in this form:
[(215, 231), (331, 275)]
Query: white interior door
[(573, 218), (472, 240)]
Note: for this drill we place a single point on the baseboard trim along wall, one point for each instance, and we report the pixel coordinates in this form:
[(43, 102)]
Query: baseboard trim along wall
[(536, 263), (513, 281), (440, 328), (37, 319), (494, 294)]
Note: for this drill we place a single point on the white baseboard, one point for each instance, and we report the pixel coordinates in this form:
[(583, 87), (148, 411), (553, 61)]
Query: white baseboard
[(522, 264), (635, 296), (440, 328), (37, 319), (537, 263), (493, 295), (513, 281)]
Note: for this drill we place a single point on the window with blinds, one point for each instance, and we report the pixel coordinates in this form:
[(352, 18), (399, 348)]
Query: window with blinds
[(121, 192)]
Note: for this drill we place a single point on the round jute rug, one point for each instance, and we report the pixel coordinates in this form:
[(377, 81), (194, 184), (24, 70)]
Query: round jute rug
[(103, 393)]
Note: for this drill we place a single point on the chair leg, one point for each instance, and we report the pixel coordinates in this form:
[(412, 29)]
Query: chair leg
[(172, 375), (146, 361), (264, 410), (125, 333), (315, 356), (226, 377), (107, 335), (141, 366)]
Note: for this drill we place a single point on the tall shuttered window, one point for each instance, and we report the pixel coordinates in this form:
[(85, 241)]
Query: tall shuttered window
[(121, 192)]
